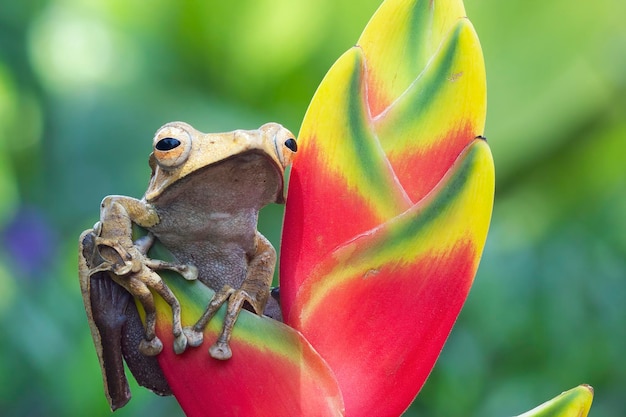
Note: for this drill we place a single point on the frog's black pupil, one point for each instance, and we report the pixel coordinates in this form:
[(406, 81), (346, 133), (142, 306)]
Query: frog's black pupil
[(167, 144), (291, 144)]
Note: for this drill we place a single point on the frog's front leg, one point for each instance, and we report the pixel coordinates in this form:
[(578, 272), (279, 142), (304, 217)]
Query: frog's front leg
[(136, 210), (114, 234), (253, 291), (143, 245), (117, 213), (133, 270)]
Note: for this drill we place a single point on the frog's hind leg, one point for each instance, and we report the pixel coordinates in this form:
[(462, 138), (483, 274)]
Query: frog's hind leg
[(221, 349), (254, 292), (151, 345), (236, 299), (195, 334), (155, 282)]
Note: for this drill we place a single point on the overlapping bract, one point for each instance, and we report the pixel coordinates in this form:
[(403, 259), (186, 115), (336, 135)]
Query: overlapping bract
[(389, 203), (370, 166)]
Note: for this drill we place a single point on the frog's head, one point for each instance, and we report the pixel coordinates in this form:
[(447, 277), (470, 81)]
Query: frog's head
[(180, 151)]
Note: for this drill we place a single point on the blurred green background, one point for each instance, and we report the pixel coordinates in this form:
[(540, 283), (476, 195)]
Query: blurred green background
[(84, 85)]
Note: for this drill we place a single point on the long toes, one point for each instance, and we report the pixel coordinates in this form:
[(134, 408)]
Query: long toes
[(190, 272), (220, 351), (180, 344), (194, 337), (151, 347)]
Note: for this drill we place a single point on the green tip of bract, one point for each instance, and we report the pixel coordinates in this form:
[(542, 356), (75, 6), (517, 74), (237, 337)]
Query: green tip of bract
[(573, 403)]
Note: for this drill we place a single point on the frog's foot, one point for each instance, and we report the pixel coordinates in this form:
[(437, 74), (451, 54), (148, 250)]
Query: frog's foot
[(194, 337), (104, 255), (143, 245), (151, 347), (111, 255), (180, 343), (188, 271), (221, 351)]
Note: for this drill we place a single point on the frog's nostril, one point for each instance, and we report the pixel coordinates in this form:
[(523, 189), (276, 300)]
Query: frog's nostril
[(167, 144), (291, 144)]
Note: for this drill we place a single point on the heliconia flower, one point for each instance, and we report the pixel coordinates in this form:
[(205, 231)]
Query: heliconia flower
[(388, 208), (387, 213), (573, 403)]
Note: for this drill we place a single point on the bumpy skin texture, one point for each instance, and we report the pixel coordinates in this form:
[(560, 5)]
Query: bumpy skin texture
[(202, 203)]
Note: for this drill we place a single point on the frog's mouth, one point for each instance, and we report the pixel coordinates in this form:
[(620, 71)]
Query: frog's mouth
[(251, 179)]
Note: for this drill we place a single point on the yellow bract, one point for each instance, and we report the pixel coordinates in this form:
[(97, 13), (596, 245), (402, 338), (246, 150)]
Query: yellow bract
[(450, 95), (401, 39), (345, 146)]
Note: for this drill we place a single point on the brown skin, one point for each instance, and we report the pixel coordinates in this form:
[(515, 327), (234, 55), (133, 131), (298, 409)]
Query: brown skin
[(202, 203)]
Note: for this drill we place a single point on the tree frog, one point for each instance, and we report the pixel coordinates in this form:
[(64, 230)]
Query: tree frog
[(202, 204)]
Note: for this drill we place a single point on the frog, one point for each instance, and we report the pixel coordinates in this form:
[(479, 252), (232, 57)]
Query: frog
[(202, 204)]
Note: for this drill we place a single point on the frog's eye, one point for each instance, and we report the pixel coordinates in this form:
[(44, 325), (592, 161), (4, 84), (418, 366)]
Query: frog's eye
[(291, 144), (167, 144), (172, 145)]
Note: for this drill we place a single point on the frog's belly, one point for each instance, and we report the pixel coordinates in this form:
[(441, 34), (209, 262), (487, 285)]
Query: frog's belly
[(221, 258), (218, 243), (217, 268)]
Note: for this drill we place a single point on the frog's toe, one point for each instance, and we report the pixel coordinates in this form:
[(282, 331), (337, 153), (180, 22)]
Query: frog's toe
[(220, 351), (194, 337), (180, 344), (151, 347), (189, 272)]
